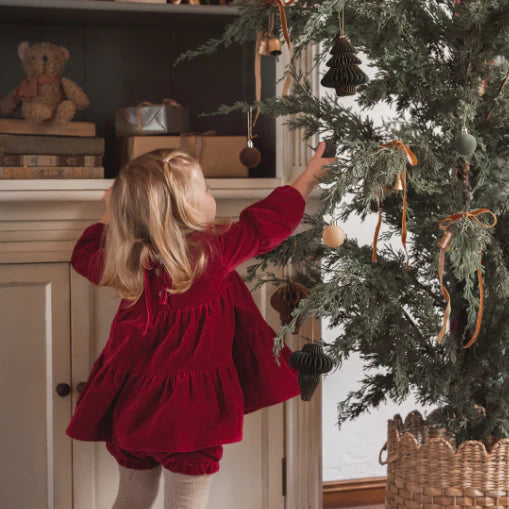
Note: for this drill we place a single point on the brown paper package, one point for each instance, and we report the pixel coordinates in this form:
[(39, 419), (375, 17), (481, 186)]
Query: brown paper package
[(218, 155)]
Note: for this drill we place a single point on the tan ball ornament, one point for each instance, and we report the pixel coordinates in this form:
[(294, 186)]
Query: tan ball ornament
[(333, 235)]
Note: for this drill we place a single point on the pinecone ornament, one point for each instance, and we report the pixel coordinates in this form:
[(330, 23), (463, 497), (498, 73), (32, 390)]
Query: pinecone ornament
[(310, 362), (286, 299), (344, 74)]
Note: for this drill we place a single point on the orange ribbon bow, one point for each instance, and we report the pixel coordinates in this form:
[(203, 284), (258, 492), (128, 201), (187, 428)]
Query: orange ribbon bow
[(413, 161), (258, 62), (444, 225)]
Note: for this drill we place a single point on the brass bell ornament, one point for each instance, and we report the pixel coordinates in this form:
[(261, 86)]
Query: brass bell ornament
[(396, 186), (270, 44), (263, 46), (274, 45)]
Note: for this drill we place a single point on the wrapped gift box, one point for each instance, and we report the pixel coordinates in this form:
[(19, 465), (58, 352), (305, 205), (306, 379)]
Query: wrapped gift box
[(218, 155), (145, 119)]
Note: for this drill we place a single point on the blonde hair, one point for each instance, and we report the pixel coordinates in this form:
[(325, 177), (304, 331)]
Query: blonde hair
[(151, 215)]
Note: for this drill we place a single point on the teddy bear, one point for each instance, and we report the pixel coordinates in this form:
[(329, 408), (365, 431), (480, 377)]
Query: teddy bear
[(44, 94)]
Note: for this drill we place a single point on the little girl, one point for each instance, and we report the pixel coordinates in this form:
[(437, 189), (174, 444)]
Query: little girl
[(189, 353)]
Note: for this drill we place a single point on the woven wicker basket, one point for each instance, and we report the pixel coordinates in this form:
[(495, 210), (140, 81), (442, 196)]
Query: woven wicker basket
[(426, 471)]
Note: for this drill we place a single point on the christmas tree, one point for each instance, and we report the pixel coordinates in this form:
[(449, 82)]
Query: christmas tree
[(441, 66)]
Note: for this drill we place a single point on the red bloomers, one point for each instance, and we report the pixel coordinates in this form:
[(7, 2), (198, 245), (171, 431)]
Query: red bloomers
[(202, 461)]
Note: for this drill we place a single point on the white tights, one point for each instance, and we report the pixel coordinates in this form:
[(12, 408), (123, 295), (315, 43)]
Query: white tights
[(138, 489)]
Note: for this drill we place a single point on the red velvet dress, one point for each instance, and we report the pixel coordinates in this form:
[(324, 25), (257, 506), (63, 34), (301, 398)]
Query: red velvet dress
[(178, 372)]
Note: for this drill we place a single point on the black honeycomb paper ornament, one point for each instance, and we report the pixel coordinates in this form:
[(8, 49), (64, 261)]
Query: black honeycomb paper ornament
[(344, 74), (310, 362)]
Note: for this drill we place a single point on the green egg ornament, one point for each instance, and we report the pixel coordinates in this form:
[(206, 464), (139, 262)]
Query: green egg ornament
[(465, 143)]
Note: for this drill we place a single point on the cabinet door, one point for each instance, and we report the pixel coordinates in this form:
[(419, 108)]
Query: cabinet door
[(250, 474), (35, 470)]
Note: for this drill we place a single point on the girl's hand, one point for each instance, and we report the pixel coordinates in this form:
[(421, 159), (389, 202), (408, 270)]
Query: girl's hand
[(317, 162), (106, 216), (307, 180)]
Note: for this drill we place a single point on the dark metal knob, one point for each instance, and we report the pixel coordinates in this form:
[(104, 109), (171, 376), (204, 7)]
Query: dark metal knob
[(63, 389), (80, 386)]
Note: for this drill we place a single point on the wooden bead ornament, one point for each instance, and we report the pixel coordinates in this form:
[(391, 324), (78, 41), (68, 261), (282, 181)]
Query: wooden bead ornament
[(250, 156), (333, 235)]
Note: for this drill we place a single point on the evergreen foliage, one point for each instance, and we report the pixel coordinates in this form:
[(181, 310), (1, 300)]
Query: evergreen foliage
[(431, 57)]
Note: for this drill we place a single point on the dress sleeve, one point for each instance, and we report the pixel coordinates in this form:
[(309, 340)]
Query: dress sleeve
[(87, 255), (262, 226), (263, 381)]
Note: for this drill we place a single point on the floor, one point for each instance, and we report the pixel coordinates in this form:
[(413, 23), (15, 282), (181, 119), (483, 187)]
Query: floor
[(368, 507)]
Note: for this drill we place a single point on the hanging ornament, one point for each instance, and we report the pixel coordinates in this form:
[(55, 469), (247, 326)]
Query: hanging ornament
[(344, 74), (310, 362), (444, 244), (286, 298), (271, 46), (412, 160), (396, 186), (263, 46), (330, 147), (465, 143), (462, 173), (333, 235), (250, 156), (269, 43)]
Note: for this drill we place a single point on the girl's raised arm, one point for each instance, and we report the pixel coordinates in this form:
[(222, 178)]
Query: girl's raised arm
[(265, 224), (262, 226)]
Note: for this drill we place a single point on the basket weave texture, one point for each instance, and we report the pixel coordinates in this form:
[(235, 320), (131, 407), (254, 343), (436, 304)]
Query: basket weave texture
[(425, 470)]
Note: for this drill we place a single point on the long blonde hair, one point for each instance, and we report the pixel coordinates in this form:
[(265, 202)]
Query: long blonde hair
[(151, 216)]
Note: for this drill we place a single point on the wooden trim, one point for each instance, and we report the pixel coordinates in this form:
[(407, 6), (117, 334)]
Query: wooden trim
[(354, 492), (58, 190), (121, 7), (303, 434)]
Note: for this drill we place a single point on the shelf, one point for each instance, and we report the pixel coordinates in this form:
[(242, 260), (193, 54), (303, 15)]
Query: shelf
[(108, 12), (93, 189)]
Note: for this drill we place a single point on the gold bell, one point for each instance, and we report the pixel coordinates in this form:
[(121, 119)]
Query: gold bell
[(396, 186), (263, 46), (274, 45), (445, 241)]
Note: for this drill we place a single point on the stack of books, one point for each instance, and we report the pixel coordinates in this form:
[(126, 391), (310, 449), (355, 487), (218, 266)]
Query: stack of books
[(52, 155)]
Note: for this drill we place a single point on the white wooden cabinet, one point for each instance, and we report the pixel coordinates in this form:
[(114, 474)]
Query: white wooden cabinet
[(56, 323)]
